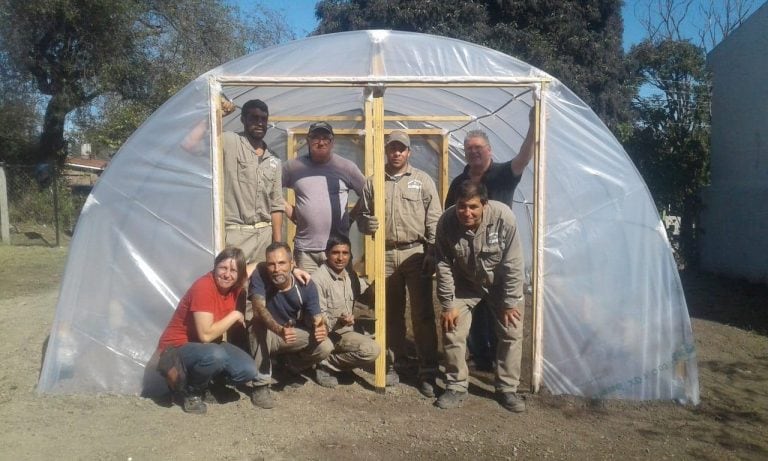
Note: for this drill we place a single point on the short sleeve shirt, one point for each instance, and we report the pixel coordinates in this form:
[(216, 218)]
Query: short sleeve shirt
[(322, 192), (202, 296), (297, 303), (499, 179)]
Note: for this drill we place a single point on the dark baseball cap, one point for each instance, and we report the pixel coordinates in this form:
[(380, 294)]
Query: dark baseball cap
[(324, 126), (399, 136)]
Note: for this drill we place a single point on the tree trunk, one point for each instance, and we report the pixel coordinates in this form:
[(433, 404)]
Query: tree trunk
[(53, 147)]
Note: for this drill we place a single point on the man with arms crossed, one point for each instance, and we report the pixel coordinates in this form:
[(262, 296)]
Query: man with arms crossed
[(286, 320), (479, 259)]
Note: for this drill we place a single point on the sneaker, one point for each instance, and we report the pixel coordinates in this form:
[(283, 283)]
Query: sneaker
[(325, 377), (262, 397), (451, 399), (427, 387), (392, 378), (194, 404), (512, 402)]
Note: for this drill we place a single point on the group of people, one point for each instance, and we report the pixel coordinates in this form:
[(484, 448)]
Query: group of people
[(301, 301)]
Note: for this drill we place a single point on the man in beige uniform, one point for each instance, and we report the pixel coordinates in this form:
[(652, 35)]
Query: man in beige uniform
[(337, 291), (413, 208), (253, 196), (479, 258)]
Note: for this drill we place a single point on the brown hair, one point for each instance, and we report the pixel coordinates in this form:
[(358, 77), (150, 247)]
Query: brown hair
[(237, 254)]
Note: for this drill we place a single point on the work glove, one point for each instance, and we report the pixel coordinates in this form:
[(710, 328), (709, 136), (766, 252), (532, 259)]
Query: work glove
[(367, 224)]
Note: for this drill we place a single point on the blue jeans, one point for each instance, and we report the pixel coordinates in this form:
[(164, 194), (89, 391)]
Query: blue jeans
[(205, 361)]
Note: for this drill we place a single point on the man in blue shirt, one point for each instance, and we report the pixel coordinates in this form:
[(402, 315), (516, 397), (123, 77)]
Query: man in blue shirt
[(286, 320)]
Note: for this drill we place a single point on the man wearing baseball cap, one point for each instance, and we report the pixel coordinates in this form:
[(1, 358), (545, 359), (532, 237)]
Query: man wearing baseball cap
[(411, 215), (321, 181)]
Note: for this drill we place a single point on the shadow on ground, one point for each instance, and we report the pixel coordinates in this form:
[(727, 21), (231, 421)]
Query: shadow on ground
[(708, 294)]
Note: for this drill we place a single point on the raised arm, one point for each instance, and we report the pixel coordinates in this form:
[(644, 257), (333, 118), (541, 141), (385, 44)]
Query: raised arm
[(526, 150), (193, 138)]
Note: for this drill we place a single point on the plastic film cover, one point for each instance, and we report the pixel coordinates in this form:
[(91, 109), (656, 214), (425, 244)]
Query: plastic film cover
[(615, 322)]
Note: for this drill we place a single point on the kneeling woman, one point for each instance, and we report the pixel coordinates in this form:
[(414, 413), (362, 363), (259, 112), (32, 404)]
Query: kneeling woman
[(191, 350)]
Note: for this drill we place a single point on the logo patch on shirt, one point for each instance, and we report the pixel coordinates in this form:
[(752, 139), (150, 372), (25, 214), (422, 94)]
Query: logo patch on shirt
[(414, 184), (493, 237), (273, 163)]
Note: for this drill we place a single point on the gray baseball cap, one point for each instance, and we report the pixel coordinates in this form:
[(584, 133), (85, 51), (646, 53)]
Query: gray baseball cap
[(399, 136)]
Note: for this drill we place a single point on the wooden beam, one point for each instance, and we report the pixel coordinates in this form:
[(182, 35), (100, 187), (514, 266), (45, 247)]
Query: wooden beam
[(382, 82), (444, 170), (217, 164), (360, 118), (290, 195), (379, 238), (539, 166), (368, 241)]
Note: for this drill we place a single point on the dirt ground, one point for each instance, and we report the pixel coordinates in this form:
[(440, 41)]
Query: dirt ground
[(355, 422)]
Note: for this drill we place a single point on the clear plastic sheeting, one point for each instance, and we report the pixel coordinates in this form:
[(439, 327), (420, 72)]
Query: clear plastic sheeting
[(615, 322)]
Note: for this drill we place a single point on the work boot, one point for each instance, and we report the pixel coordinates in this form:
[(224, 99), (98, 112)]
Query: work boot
[(511, 402), (427, 386), (325, 377), (194, 404), (451, 399), (262, 397)]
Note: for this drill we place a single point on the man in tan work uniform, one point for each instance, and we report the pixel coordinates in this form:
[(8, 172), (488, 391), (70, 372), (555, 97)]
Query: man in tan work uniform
[(413, 208), (253, 196), (479, 258), (337, 290)]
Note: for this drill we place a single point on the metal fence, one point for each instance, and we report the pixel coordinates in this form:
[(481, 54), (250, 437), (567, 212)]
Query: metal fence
[(42, 209)]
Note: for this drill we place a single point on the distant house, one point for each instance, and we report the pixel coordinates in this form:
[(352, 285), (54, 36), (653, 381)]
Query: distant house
[(735, 219), (81, 173)]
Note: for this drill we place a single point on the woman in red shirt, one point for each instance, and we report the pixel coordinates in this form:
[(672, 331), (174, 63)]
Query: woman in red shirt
[(191, 350)]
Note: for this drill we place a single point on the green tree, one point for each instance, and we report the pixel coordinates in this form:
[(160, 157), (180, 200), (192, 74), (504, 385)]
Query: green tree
[(18, 116), (577, 41), (77, 51), (670, 141)]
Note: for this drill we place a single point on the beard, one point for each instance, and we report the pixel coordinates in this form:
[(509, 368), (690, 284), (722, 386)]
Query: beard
[(279, 278)]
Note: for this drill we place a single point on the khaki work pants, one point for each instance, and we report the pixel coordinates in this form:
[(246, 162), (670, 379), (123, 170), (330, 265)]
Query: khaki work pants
[(308, 260), (509, 350), (253, 242), (404, 271), (304, 352), (352, 350)]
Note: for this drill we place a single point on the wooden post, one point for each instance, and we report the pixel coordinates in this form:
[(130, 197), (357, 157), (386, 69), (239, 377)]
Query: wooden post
[(539, 166), (443, 170), (217, 165), (377, 107), (290, 195)]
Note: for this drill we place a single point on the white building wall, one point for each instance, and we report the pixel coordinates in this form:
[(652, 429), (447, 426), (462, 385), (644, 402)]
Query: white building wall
[(735, 218)]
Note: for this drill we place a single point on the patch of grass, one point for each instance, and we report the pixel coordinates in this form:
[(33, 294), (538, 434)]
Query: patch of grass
[(25, 270)]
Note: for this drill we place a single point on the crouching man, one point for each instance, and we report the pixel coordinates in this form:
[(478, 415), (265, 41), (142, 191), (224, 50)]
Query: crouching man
[(286, 321), (338, 289), (480, 259)]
